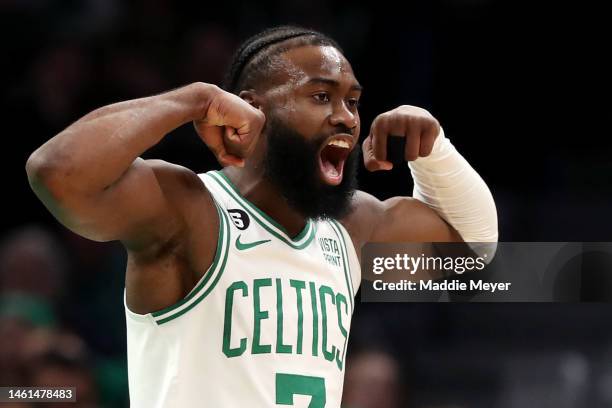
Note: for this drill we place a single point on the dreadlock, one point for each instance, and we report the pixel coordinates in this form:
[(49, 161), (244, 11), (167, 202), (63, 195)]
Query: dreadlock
[(254, 56)]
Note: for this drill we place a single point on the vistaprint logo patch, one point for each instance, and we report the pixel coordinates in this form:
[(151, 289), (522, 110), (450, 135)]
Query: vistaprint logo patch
[(331, 250)]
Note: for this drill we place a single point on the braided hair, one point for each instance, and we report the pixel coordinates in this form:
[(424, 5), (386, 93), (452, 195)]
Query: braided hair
[(252, 61)]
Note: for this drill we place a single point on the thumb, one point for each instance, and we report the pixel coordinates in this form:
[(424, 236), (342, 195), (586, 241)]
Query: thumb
[(233, 143)]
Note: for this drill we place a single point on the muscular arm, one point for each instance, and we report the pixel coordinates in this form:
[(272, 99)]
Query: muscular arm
[(398, 219), (91, 179), (451, 201)]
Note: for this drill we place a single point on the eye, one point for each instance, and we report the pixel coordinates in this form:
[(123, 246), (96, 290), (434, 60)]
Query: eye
[(321, 97), (353, 103)]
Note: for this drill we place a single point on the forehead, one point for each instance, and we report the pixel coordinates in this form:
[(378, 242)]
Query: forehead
[(312, 61)]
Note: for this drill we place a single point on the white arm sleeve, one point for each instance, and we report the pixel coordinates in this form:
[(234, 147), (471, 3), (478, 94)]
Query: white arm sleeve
[(447, 183)]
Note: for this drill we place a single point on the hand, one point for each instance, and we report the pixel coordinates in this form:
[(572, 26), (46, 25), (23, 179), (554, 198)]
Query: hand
[(230, 128), (417, 125)]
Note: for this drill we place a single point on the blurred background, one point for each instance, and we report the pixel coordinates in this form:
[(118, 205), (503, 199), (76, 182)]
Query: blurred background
[(518, 87)]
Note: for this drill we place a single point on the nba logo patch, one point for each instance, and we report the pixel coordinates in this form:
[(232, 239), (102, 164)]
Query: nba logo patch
[(240, 218)]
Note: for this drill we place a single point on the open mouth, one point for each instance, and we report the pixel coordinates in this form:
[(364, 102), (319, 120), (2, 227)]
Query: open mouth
[(332, 157)]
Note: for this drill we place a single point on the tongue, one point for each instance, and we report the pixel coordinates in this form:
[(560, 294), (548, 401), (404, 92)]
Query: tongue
[(331, 175), (330, 169)]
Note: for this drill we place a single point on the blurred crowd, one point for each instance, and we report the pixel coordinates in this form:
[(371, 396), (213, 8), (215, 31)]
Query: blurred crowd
[(61, 318)]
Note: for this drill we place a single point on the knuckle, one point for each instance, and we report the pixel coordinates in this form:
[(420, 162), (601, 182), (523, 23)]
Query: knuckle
[(214, 88), (379, 120), (407, 117), (414, 113), (436, 124), (405, 109)]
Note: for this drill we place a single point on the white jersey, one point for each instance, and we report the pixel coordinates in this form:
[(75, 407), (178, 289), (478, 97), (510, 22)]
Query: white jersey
[(266, 326)]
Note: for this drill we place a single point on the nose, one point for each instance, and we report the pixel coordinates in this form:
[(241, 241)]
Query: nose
[(342, 115)]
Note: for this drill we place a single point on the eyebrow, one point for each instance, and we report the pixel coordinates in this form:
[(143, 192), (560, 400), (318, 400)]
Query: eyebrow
[(332, 82)]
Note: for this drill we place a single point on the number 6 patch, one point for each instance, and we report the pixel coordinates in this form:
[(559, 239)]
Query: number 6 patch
[(240, 218)]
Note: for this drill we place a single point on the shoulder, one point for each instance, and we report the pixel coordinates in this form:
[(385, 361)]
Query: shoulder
[(175, 177), (359, 222), (190, 208), (182, 187)]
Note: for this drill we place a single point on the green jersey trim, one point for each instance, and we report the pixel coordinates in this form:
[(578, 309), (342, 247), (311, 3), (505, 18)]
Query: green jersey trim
[(301, 241), (212, 276), (265, 216), (345, 264)]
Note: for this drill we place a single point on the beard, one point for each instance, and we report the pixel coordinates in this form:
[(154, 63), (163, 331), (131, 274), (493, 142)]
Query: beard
[(292, 166)]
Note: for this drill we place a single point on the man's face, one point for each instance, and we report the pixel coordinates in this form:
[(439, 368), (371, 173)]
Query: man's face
[(312, 130)]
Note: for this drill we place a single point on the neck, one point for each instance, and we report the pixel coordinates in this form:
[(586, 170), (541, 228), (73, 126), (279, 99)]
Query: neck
[(252, 186)]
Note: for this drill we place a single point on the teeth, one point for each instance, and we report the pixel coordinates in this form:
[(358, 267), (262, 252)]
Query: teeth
[(334, 172), (339, 143)]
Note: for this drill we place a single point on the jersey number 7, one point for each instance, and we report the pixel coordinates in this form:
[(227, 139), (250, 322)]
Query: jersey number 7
[(287, 385)]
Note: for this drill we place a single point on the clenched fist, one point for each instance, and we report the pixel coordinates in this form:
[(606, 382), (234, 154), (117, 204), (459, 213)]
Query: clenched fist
[(416, 125), (230, 127)]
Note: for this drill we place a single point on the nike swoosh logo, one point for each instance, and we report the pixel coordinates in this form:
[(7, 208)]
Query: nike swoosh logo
[(242, 246)]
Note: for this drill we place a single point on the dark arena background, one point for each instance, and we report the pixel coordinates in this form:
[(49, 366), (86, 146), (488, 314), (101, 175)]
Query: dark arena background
[(518, 88)]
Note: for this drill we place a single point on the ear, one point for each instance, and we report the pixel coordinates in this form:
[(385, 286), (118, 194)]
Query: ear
[(251, 97)]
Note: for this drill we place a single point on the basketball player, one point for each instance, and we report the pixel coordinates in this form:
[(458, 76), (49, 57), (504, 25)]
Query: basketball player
[(240, 283)]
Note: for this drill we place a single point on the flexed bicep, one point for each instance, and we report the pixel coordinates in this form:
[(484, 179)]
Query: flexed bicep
[(405, 219)]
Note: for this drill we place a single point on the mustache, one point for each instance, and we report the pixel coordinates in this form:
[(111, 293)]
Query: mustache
[(273, 123), (338, 129), (342, 129)]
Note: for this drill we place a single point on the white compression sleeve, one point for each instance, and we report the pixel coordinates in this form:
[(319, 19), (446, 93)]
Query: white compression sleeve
[(447, 183)]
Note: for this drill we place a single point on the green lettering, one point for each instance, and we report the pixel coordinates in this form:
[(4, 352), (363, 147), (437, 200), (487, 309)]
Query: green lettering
[(280, 347), (315, 320), (258, 316), (326, 290), (299, 285), (227, 324), (340, 298), (288, 385)]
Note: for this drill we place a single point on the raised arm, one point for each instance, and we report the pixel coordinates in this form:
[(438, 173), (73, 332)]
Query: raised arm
[(91, 179), (451, 201)]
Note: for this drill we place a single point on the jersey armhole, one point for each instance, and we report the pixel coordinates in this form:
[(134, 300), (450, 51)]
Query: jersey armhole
[(204, 286), (133, 316)]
